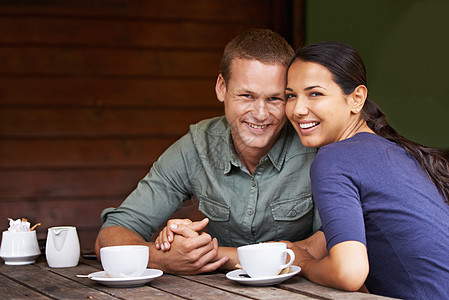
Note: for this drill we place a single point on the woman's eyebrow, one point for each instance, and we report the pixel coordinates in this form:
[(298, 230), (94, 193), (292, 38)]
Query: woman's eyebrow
[(313, 87)]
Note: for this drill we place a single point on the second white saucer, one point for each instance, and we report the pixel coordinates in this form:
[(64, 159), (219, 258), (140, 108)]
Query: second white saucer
[(241, 277)]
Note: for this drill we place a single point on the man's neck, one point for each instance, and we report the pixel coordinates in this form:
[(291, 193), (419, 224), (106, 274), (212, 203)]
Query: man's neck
[(250, 160)]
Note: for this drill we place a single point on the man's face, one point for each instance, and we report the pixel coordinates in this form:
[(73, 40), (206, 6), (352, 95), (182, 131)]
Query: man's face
[(254, 104)]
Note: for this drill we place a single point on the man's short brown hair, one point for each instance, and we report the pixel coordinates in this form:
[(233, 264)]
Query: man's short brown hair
[(263, 45)]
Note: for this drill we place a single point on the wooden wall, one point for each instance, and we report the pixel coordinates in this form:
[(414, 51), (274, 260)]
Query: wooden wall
[(92, 92)]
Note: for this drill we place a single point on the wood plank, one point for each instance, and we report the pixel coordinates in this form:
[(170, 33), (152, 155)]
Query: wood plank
[(307, 287), (83, 213), (87, 237), (191, 289), (123, 33), (14, 290), (110, 63), (51, 284), (34, 185), (268, 292), (99, 122), (77, 153), (255, 11), (107, 92), (142, 292)]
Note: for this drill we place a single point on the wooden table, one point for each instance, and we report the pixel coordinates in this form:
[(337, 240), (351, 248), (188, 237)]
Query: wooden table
[(38, 281)]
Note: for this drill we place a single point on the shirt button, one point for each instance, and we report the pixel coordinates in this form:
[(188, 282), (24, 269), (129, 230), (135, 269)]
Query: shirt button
[(253, 183), (250, 211), (291, 213)]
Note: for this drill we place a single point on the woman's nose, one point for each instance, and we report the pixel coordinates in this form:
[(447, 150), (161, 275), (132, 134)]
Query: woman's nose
[(300, 108)]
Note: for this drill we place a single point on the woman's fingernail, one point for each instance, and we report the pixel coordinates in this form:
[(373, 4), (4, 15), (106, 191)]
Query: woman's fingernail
[(157, 246), (173, 226), (166, 245), (169, 238)]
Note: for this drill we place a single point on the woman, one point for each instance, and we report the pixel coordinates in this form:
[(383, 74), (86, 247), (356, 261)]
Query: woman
[(383, 200)]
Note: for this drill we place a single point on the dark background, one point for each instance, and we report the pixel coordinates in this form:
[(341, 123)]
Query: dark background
[(92, 92), (405, 46)]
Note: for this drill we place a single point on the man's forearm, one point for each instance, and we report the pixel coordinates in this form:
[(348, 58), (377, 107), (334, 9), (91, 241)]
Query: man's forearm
[(116, 235)]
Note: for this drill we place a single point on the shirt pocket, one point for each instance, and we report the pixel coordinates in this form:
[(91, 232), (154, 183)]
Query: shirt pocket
[(292, 209), (214, 210)]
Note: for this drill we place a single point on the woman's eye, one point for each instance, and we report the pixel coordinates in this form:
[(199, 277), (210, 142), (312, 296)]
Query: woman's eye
[(290, 96), (315, 94)]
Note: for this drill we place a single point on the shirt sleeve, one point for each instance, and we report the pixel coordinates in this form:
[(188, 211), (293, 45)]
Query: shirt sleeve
[(335, 190), (159, 194)]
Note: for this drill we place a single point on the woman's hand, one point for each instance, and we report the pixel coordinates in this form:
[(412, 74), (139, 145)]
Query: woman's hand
[(301, 253), (166, 235)]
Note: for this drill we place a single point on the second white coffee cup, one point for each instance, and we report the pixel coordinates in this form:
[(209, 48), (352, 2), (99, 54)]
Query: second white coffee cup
[(265, 259), (124, 261)]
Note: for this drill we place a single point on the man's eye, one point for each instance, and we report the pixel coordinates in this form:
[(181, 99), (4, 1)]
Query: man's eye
[(275, 99), (245, 96)]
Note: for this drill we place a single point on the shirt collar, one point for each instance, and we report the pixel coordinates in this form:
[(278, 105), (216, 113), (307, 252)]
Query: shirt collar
[(276, 154), (279, 150), (232, 158)]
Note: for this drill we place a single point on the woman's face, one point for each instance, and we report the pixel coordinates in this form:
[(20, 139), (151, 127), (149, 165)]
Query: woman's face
[(316, 106)]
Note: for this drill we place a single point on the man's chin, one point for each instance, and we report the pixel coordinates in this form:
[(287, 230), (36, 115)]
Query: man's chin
[(259, 144)]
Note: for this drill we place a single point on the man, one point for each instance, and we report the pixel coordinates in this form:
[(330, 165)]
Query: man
[(247, 169)]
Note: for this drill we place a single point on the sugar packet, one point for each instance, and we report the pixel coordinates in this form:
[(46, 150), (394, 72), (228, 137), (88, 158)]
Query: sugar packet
[(20, 225)]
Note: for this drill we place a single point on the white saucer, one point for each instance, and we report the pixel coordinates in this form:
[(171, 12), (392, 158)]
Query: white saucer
[(20, 260), (261, 281), (147, 276)]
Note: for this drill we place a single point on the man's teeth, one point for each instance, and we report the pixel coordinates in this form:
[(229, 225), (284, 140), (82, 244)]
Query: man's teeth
[(257, 126), (308, 125)]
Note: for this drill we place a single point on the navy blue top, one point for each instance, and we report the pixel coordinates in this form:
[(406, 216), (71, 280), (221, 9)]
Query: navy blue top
[(369, 189)]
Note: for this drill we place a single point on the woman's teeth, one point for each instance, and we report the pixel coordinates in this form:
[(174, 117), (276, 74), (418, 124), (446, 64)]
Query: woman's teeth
[(308, 125)]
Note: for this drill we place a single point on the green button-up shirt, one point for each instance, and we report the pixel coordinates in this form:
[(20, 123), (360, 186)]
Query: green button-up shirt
[(275, 203)]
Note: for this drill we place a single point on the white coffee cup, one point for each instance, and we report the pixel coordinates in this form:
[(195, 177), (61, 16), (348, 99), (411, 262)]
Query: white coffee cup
[(19, 248), (124, 261), (265, 259), (62, 248)]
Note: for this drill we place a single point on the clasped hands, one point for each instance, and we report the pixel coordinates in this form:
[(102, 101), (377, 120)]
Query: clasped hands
[(186, 250), (192, 252)]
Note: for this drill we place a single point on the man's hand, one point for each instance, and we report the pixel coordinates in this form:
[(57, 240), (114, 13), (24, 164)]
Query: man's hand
[(167, 233), (191, 253)]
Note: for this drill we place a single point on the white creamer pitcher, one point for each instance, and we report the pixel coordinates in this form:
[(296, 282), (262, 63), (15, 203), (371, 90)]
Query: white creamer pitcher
[(63, 247)]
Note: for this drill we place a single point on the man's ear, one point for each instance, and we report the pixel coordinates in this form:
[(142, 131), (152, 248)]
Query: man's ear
[(357, 98), (220, 88)]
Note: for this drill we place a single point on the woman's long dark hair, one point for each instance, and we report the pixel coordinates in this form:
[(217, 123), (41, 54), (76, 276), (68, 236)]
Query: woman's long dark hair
[(348, 71)]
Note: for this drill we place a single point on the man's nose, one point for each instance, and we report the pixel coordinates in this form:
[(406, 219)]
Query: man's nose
[(261, 110)]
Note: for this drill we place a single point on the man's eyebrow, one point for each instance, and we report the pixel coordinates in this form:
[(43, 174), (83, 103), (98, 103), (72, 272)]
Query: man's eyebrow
[(243, 91)]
